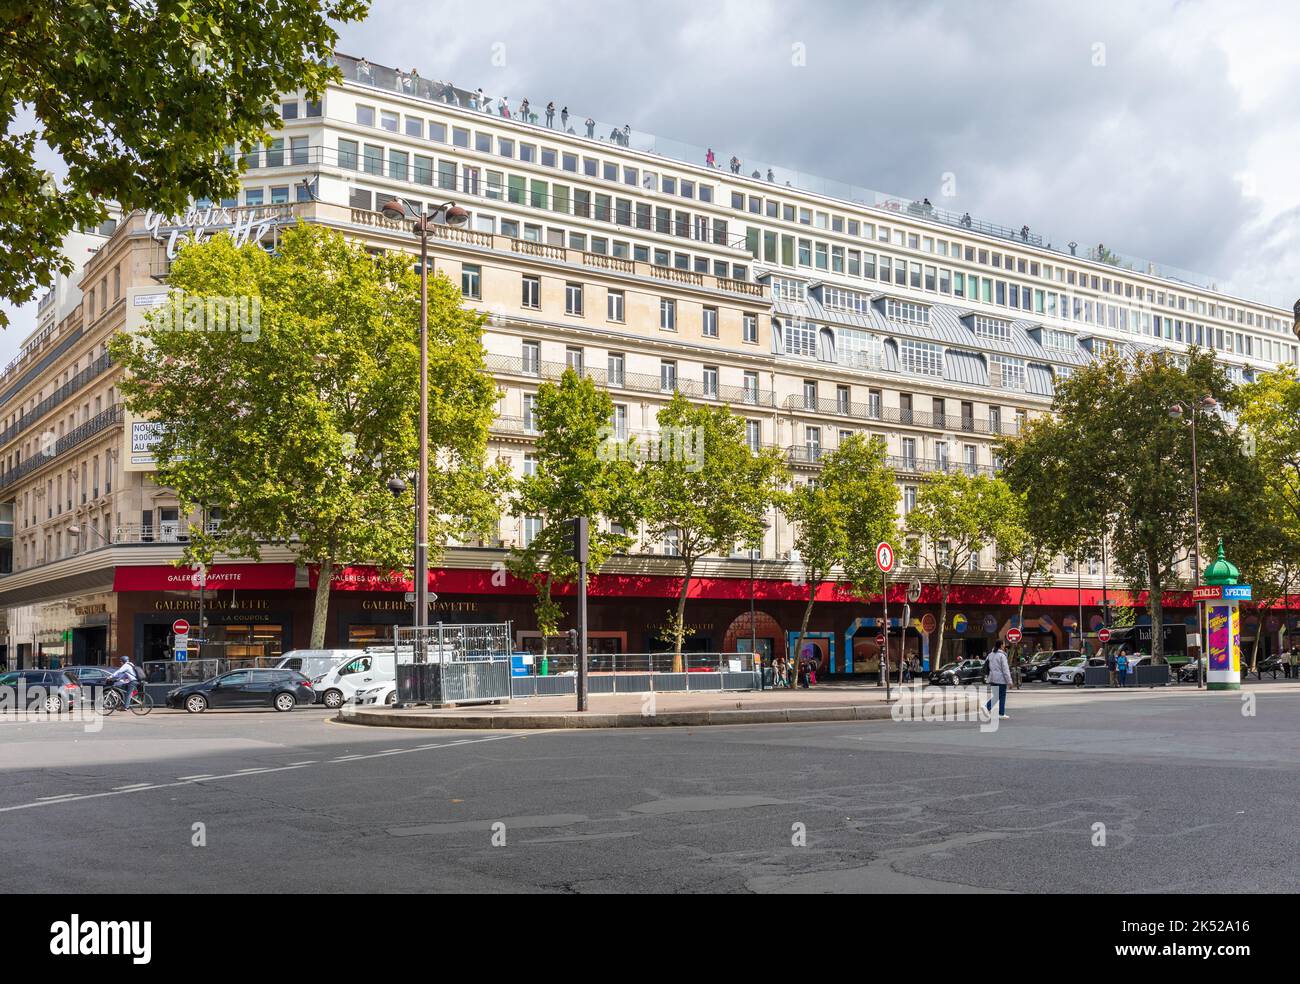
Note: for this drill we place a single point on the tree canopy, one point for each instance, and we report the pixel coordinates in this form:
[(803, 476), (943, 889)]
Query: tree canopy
[(292, 430), (141, 102)]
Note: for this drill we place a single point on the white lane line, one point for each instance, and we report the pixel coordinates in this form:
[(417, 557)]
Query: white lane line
[(306, 762), (347, 758), (201, 775), (141, 787)]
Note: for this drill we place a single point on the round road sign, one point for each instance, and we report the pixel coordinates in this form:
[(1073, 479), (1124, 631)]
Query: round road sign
[(1013, 635), (884, 557), (880, 641), (181, 627), (1103, 634)]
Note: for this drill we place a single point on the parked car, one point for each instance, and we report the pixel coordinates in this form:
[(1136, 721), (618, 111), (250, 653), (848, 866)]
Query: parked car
[(53, 691), (282, 689), (1040, 663), (91, 679), (1071, 671), (338, 685), (385, 693), (965, 671), (312, 663)]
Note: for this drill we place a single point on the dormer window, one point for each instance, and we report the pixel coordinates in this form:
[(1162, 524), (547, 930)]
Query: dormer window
[(907, 312), (994, 328), (920, 358)]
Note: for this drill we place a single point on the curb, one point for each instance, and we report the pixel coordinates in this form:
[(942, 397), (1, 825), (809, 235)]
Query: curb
[(501, 722)]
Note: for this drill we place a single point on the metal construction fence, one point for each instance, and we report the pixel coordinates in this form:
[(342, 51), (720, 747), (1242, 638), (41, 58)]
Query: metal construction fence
[(452, 663), (168, 671), (622, 663), (632, 682)]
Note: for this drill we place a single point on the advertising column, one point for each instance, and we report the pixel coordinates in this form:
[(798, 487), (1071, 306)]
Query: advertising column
[(1222, 594)]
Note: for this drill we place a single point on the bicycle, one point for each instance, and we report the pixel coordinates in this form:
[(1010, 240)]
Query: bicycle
[(139, 703)]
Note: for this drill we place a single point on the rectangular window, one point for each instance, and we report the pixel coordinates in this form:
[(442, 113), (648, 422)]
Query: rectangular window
[(800, 339), (348, 154), (921, 358), (907, 312), (471, 281), (711, 382), (532, 292), (751, 386), (994, 328), (667, 314), (751, 328), (616, 367), (573, 298), (753, 435), (1006, 372), (709, 327), (667, 375), (614, 306)]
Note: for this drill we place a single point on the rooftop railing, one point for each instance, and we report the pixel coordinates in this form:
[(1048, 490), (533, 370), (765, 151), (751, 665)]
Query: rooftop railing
[(895, 415), (622, 135)]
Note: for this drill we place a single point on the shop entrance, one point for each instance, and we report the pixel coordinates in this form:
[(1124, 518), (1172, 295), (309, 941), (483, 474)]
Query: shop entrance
[(90, 646), (242, 644)]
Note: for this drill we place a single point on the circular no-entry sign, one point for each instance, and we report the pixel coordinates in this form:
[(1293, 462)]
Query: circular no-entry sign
[(1013, 635), (884, 557), (181, 627), (880, 641), (1103, 635)]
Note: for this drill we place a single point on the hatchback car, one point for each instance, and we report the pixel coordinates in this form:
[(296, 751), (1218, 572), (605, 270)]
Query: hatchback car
[(281, 689), (1040, 663), (52, 691), (966, 671), (91, 679)]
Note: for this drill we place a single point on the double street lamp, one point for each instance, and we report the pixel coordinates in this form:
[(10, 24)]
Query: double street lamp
[(1189, 410), (456, 217)]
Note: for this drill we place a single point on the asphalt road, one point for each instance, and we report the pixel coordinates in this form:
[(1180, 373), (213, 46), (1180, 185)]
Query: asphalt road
[(1193, 796)]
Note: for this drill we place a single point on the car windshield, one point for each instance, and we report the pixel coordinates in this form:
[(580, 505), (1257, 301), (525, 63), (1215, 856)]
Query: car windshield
[(1077, 661)]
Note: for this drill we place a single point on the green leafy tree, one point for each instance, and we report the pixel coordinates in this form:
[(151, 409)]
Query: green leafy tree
[(581, 470), (956, 515), (706, 490), (840, 517), (140, 101), (1111, 440), (294, 429)]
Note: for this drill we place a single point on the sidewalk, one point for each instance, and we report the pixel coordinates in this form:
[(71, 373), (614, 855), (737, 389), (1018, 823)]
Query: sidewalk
[(831, 702)]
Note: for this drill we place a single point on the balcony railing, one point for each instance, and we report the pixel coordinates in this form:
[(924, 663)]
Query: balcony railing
[(54, 399), (636, 382), (893, 415), (109, 418), (809, 454)]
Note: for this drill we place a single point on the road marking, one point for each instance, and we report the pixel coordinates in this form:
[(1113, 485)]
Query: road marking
[(196, 780), (201, 775), (305, 762)]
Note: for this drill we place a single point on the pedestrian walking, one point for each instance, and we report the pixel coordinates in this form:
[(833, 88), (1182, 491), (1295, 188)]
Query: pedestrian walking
[(1110, 666), (999, 673), (1293, 661)]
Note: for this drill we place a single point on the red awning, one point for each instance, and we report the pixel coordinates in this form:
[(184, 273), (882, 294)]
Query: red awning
[(221, 577)]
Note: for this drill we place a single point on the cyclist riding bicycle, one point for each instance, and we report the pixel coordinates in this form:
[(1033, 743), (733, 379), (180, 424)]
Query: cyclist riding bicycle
[(127, 674)]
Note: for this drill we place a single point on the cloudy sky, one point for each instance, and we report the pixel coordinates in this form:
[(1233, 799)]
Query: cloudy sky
[(1166, 129)]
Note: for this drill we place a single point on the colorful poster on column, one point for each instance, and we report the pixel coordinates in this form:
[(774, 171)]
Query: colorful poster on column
[(1224, 638)]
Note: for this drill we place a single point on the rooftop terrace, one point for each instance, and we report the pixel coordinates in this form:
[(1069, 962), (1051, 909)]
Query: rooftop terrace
[(622, 135)]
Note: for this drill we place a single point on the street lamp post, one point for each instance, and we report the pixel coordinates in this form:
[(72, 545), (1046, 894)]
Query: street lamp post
[(454, 216), (1177, 411)]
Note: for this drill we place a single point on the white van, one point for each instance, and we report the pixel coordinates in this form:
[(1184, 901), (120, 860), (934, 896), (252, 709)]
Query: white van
[(361, 672), (312, 663)]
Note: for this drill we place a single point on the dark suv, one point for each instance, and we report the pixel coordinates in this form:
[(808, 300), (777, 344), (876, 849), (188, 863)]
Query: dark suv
[(965, 671), (1036, 667), (282, 689)]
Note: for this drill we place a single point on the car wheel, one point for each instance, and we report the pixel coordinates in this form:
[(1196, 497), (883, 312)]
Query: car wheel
[(196, 703), (284, 702), (391, 698), (53, 704), (333, 699), (1078, 679)]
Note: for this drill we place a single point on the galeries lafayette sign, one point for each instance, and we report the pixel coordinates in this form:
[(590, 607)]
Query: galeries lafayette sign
[(245, 225), (165, 577)]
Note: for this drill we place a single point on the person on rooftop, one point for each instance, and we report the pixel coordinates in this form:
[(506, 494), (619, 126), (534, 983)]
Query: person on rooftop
[(564, 118), (550, 114), (503, 107), (709, 159), (770, 176), (523, 110), (1024, 233), (591, 128)]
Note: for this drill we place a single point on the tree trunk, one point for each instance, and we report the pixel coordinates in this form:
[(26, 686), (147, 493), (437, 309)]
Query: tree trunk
[(679, 624), (943, 622), (1156, 606), (803, 627), (320, 613), (1254, 652)]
